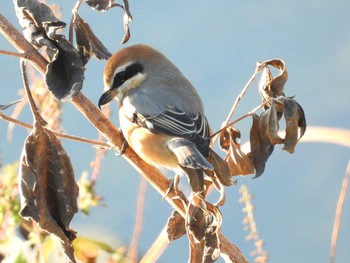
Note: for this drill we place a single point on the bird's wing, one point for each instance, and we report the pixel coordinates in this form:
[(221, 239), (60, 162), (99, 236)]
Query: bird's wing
[(177, 123)]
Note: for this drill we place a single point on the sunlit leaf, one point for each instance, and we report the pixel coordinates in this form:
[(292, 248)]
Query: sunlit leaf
[(38, 22), (272, 87), (175, 226), (47, 187), (221, 169), (239, 163), (87, 42), (100, 5)]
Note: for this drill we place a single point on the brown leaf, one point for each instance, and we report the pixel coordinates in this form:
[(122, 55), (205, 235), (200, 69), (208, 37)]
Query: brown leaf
[(221, 169), (261, 149), (175, 226), (38, 22), (239, 163), (127, 18), (212, 235), (295, 118), (269, 126), (100, 5), (48, 190), (87, 42), (272, 87), (64, 74)]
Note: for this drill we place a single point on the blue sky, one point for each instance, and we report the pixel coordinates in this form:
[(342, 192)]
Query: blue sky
[(216, 45)]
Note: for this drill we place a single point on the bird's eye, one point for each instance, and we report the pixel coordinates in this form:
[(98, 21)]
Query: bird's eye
[(121, 76)]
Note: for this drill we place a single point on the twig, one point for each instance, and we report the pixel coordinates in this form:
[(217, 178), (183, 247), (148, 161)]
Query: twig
[(338, 214), (14, 54), (132, 252), (240, 96), (61, 135), (239, 119)]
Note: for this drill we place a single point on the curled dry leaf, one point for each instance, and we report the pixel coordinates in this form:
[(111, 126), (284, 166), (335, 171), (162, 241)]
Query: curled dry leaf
[(203, 224), (87, 42), (175, 226), (269, 124), (221, 169), (238, 162), (126, 20), (38, 22), (100, 5), (47, 187), (295, 122), (260, 148), (64, 74), (269, 86)]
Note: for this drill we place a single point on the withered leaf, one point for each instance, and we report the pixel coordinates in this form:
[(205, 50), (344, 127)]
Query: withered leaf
[(239, 163), (272, 87), (221, 169), (87, 42), (175, 226), (269, 126), (198, 219), (38, 22), (195, 178), (126, 20), (212, 235), (100, 5), (64, 74), (260, 148), (48, 190), (295, 119)]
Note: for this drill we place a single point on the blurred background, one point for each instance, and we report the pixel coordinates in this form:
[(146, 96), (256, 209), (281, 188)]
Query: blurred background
[(216, 44)]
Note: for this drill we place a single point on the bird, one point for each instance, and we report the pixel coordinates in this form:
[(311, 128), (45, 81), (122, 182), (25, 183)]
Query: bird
[(161, 114)]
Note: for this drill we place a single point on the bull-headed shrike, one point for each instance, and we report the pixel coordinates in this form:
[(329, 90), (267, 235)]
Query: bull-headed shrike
[(161, 114)]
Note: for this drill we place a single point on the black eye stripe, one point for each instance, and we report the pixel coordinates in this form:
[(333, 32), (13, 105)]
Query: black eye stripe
[(126, 74)]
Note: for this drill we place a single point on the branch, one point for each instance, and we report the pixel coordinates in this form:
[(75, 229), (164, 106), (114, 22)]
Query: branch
[(110, 132)]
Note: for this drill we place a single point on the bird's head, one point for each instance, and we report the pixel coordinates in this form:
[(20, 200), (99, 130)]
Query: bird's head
[(128, 68)]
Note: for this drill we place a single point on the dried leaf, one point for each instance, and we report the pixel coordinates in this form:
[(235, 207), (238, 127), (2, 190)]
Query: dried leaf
[(269, 126), (239, 163), (221, 169), (87, 42), (38, 22), (47, 187), (64, 75), (175, 226), (212, 235), (126, 20), (273, 87), (295, 118), (100, 5), (4, 107), (261, 149)]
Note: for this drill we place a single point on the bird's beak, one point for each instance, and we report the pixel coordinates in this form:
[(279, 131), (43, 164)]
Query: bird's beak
[(107, 97)]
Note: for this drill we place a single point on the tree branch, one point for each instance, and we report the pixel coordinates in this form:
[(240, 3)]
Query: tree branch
[(111, 133)]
